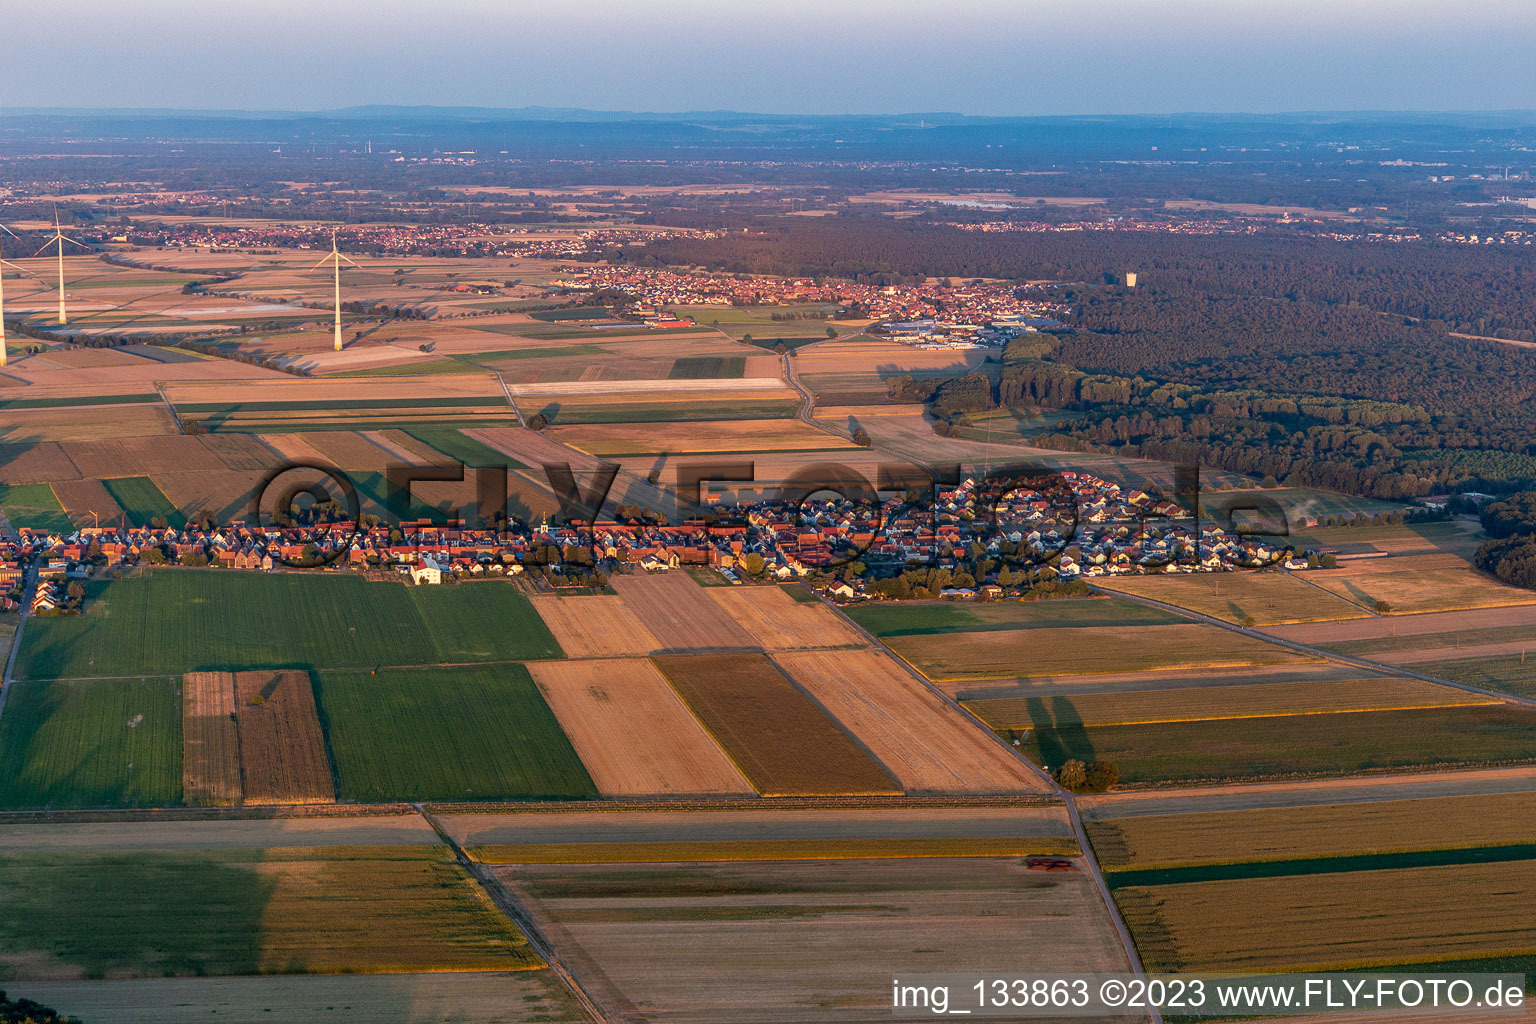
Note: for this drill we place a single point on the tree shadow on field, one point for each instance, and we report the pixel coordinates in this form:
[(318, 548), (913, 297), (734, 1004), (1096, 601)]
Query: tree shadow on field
[(1059, 732), (142, 914)]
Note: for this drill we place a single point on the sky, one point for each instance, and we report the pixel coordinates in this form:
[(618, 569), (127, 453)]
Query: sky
[(988, 57)]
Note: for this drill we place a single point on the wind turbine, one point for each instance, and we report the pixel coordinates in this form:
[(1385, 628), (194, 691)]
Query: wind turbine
[(6, 263), (60, 238), (335, 257)]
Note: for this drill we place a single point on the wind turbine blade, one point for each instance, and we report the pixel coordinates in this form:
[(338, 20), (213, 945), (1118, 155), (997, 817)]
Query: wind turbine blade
[(71, 241), (323, 260), (10, 232), (350, 260), (44, 248)]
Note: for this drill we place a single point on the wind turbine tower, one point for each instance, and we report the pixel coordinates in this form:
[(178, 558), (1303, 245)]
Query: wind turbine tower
[(5, 263), (334, 257), (60, 238)]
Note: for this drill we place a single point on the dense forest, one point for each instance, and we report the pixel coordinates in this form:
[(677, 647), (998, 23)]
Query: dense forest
[(1487, 290)]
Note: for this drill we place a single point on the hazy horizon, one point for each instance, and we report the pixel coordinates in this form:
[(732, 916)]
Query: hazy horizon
[(977, 57)]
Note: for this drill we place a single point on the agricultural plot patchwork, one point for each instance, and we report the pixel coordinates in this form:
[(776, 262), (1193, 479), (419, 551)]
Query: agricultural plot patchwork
[(450, 733), (1264, 598), (784, 744), (679, 613), (33, 505), (1290, 746), (928, 745), (1340, 920), (595, 625), (90, 743), (1419, 583), (778, 622), (282, 750), (1008, 654), (210, 740), (781, 941), (144, 502), (275, 911), (1389, 884), (632, 732), (226, 620), (1255, 700)]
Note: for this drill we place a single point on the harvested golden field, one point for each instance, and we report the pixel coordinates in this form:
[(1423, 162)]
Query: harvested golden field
[(240, 452), (1419, 583), (82, 498), (1327, 830), (1409, 625), (43, 462), (350, 450), (1268, 598), (1008, 654), (780, 623), (403, 447), (321, 391), (609, 439), (292, 448), (784, 744), (595, 625), (1195, 704), (210, 745), (679, 612), (282, 749), (228, 495), (84, 424), (528, 447), (246, 912), (800, 940), (143, 456), (633, 734), (80, 357), (925, 742), (1338, 921)]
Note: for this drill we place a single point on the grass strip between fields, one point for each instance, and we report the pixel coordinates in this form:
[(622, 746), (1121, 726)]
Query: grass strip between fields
[(772, 849)]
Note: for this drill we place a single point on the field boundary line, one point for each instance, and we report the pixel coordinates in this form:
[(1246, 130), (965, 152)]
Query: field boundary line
[(510, 400), (1087, 855), (519, 917), (1369, 612)]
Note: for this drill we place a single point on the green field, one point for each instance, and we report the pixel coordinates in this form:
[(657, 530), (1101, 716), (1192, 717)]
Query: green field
[(447, 734), (432, 368), (91, 743), (913, 618), (545, 352), (148, 398), (699, 367), (143, 500), (33, 505), (484, 620), (172, 621), (336, 910), (1293, 745)]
